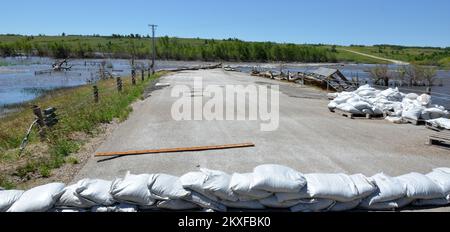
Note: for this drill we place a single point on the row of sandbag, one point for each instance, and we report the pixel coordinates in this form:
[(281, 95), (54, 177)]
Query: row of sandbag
[(368, 100), (268, 186)]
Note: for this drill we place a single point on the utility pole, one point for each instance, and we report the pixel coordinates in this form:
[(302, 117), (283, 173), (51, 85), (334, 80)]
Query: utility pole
[(153, 26)]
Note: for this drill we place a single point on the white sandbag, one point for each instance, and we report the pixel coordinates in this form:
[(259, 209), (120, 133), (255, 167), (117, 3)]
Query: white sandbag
[(412, 113), (391, 94), (177, 204), (68, 210), (243, 204), (434, 113), (8, 197), (345, 206), (133, 189), (360, 105), (277, 178), (441, 178), (419, 186), (332, 105), (368, 111), (386, 205), (388, 189), (272, 202), (205, 202), (167, 187), (313, 205), (338, 187), (241, 185), (38, 199), (218, 184), (95, 190), (343, 98), (367, 93), (424, 99), (432, 202), (412, 96), (303, 194), (70, 198), (440, 122), (195, 181), (347, 107)]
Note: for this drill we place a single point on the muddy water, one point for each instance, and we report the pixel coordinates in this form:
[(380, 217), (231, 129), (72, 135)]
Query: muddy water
[(19, 83)]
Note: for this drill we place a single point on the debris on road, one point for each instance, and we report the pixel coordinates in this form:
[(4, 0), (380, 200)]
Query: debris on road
[(171, 150)]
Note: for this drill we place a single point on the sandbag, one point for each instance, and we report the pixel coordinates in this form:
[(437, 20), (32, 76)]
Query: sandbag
[(205, 202), (347, 107), (388, 189), (272, 202), (303, 194), (397, 120), (177, 204), (345, 206), (195, 181), (360, 105), (441, 178), (243, 204), (386, 205), (432, 202), (95, 190), (166, 187), (133, 189), (424, 99), (440, 123), (277, 178), (412, 113), (38, 199), (419, 186), (412, 96), (241, 185), (218, 184), (338, 187), (8, 197), (70, 198), (313, 205)]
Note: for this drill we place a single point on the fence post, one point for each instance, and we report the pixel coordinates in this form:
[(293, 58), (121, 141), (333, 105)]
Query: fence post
[(142, 74), (428, 90), (40, 121), (133, 77), (119, 84), (95, 89), (148, 73)]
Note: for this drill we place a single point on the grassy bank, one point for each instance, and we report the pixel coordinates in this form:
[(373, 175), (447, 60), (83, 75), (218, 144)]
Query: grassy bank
[(79, 118)]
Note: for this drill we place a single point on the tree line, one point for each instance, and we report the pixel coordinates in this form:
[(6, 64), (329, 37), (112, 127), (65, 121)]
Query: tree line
[(118, 46), (410, 75)]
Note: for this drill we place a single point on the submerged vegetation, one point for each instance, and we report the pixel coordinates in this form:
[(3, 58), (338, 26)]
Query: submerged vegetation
[(78, 115)]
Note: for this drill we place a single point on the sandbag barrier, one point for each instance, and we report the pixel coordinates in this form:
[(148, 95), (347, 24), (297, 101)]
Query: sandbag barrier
[(267, 187), (399, 107)]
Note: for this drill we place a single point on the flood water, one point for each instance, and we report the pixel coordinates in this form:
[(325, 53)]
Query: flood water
[(19, 83)]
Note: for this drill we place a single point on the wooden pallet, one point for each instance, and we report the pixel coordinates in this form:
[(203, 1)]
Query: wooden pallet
[(442, 137), (356, 116)]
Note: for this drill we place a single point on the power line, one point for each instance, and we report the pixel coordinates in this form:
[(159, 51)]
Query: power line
[(153, 26)]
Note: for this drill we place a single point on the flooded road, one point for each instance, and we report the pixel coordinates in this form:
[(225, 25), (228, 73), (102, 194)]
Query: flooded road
[(19, 83)]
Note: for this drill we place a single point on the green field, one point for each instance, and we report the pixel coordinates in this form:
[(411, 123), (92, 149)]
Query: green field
[(172, 48)]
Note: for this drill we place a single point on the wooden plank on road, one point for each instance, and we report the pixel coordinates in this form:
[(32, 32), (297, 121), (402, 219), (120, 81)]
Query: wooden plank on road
[(180, 149)]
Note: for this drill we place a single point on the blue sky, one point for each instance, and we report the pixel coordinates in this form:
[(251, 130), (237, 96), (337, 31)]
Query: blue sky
[(344, 22)]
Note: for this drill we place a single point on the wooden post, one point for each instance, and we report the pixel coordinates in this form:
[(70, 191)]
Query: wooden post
[(142, 74), (40, 121), (119, 84), (428, 90), (133, 77), (148, 73), (95, 89)]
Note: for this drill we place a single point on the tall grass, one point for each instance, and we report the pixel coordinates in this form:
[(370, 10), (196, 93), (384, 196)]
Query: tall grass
[(77, 112)]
